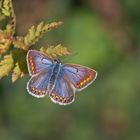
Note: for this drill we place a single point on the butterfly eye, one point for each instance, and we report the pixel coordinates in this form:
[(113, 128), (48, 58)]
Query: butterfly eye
[(57, 60)]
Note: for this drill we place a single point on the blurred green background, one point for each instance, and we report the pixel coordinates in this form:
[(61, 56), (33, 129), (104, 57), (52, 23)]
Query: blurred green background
[(102, 34)]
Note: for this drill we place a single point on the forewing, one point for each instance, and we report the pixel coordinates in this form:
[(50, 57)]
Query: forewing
[(80, 76), (64, 92), (37, 62), (37, 85)]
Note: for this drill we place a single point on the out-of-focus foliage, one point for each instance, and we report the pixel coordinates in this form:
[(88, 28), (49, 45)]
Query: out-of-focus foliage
[(107, 110)]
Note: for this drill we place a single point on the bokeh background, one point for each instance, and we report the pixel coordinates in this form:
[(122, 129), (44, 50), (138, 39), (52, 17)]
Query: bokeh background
[(102, 34)]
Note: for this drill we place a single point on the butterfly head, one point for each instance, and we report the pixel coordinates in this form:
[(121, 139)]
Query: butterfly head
[(57, 61)]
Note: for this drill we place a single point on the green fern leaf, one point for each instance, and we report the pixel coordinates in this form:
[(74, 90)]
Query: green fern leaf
[(18, 42), (55, 51), (36, 32), (6, 7), (17, 72), (5, 42), (2, 16), (6, 65)]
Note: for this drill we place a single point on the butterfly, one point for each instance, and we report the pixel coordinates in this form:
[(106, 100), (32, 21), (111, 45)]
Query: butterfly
[(58, 81)]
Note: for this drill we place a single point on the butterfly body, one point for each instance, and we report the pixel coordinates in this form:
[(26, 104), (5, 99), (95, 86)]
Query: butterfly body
[(58, 81), (54, 76)]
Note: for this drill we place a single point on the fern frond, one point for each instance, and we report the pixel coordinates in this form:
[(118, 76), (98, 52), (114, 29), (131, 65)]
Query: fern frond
[(15, 62), (17, 72), (0, 5), (2, 16), (6, 7), (7, 10), (36, 32), (55, 51), (4, 46), (5, 42), (6, 65), (18, 42), (10, 27)]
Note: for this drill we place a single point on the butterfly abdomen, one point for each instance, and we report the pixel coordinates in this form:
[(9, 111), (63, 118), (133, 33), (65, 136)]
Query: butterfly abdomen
[(54, 76)]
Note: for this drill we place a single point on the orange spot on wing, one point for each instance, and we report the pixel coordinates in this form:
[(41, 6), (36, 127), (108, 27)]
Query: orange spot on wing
[(60, 98), (32, 65), (37, 91), (84, 81), (81, 83)]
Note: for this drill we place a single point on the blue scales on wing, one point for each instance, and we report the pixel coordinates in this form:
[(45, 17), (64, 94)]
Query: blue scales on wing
[(63, 93), (37, 85), (79, 76), (40, 68), (37, 62)]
